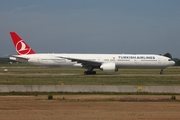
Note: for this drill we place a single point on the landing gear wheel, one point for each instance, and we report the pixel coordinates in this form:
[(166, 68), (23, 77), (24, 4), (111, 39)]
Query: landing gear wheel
[(85, 72), (89, 72), (161, 72), (93, 72)]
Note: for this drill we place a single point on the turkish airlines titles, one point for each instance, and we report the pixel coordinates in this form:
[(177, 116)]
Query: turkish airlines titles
[(137, 57)]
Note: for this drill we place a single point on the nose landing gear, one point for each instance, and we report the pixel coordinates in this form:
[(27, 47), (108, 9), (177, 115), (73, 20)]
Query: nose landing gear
[(161, 72)]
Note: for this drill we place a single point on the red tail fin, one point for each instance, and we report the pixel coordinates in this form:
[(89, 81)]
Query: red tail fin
[(21, 46)]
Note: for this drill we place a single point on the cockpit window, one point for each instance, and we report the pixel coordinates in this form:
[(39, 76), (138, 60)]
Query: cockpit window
[(169, 59)]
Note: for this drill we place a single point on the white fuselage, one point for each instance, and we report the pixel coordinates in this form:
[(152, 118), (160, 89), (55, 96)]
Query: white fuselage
[(120, 60)]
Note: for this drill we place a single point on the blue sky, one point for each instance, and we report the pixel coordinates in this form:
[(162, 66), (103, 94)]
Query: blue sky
[(92, 26)]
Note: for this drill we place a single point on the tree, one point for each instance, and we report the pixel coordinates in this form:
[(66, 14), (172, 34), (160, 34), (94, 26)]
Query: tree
[(168, 55), (177, 63)]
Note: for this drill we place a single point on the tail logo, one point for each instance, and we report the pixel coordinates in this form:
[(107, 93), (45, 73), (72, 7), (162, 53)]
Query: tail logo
[(21, 48)]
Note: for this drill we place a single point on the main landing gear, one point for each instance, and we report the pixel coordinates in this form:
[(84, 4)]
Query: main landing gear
[(90, 71), (161, 72)]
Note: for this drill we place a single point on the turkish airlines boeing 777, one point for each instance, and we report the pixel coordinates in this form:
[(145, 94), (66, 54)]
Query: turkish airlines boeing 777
[(105, 62)]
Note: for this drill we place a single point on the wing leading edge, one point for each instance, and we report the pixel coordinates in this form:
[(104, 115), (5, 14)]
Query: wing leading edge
[(84, 62)]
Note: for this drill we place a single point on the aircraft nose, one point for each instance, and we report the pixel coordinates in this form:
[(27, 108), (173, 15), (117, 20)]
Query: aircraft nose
[(172, 62)]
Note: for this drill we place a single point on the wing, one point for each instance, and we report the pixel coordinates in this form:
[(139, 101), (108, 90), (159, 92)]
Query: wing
[(84, 62)]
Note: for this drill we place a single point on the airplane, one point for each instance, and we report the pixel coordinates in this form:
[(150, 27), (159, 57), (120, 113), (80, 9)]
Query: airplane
[(105, 62)]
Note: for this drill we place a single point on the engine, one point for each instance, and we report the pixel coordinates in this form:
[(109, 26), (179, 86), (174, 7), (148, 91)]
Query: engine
[(109, 67)]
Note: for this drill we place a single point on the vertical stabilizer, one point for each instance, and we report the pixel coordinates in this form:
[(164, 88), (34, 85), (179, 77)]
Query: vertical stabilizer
[(20, 45)]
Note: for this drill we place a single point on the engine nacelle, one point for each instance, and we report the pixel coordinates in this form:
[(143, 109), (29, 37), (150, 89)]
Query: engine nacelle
[(109, 67)]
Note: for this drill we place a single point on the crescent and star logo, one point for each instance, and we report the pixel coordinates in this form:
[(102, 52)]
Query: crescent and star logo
[(21, 48)]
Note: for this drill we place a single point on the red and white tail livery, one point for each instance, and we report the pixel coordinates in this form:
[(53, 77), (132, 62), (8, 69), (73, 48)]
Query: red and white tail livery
[(21, 46), (105, 62)]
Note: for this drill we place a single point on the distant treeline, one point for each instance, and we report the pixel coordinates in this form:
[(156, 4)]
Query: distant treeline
[(177, 61), (7, 61)]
